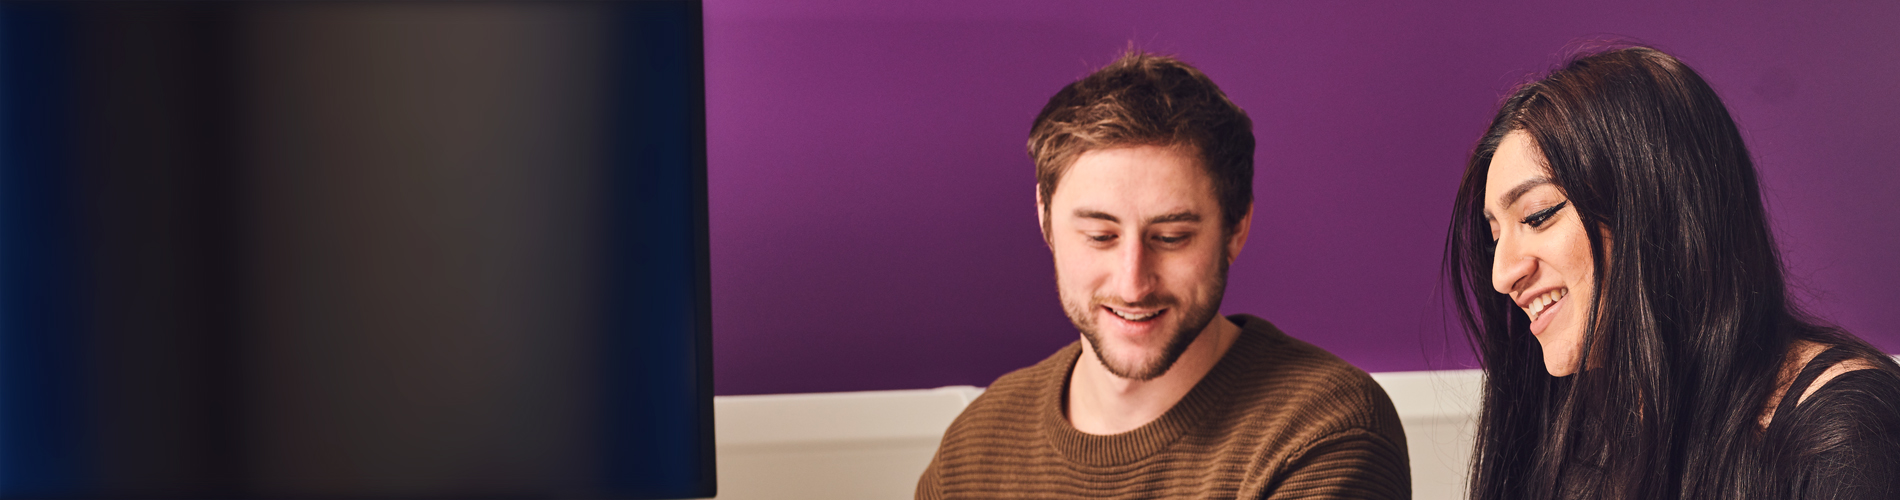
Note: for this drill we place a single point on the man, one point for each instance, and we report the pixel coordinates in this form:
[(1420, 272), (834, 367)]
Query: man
[(1144, 175)]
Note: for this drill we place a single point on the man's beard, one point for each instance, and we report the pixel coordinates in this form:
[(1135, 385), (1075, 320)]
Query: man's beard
[(1191, 323)]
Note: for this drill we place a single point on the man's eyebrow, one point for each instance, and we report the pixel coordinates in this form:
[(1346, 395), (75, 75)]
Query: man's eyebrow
[(1083, 213), (1181, 216)]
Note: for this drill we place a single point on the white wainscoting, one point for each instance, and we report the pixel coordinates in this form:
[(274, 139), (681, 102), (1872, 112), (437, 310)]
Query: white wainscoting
[(873, 445)]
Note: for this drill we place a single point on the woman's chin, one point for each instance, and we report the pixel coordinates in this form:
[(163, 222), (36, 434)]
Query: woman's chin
[(1560, 363)]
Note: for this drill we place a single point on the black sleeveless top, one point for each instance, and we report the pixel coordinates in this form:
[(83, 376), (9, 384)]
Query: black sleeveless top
[(1843, 441)]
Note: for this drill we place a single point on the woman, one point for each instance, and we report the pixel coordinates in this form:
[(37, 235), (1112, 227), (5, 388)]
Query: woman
[(1613, 264)]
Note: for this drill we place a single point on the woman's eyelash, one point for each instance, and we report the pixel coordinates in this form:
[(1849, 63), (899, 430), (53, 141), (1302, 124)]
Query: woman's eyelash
[(1537, 219)]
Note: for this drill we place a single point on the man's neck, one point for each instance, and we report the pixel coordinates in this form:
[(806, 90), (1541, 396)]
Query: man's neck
[(1101, 403)]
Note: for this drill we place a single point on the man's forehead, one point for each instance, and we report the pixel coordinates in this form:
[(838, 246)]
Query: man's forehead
[(1145, 178)]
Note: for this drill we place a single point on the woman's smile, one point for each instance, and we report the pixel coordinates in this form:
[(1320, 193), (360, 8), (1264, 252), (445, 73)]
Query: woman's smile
[(1543, 307)]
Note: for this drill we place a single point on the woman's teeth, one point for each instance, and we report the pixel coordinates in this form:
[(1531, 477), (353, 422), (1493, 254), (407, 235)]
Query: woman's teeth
[(1542, 301), (1133, 317)]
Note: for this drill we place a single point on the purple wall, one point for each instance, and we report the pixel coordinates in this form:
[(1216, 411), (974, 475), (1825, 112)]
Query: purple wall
[(872, 206)]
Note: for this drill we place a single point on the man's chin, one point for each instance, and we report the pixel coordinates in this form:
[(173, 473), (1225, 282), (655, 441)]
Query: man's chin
[(1142, 350), (1141, 371), (1133, 363)]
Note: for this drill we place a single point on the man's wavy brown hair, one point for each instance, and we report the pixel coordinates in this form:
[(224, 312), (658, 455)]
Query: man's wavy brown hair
[(1144, 99)]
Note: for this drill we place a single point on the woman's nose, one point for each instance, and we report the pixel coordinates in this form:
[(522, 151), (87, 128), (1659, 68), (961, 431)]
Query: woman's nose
[(1509, 267)]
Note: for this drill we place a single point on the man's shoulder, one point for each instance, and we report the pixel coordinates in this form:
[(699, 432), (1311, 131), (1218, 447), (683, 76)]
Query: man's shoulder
[(1017, 395), (1278, 372), (1034, 378), (1316, 422)]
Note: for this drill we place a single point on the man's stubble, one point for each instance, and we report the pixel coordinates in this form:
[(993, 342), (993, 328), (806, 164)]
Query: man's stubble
[(1192, 323)]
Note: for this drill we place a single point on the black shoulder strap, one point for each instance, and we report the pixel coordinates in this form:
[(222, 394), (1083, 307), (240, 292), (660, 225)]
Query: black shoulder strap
[(1813, 370)]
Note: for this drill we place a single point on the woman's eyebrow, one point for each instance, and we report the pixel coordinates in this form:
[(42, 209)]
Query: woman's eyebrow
[(1511, 196)]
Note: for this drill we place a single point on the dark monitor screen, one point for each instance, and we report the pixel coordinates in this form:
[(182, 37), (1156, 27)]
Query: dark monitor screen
[(363, 249)]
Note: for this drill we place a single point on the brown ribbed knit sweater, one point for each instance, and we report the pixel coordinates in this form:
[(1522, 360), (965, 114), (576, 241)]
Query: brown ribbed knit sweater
[(1275, 418)]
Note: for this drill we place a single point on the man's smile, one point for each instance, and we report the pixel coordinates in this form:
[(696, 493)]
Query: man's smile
[(1135, 315)]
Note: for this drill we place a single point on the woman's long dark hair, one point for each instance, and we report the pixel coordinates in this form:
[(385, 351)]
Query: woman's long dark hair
[(1691, 322)]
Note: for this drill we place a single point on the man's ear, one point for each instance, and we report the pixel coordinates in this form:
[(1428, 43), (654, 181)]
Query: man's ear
[(1239, 238), (1042, 219)]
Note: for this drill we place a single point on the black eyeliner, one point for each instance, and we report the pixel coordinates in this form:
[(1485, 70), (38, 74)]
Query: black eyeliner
[(1537, 219)]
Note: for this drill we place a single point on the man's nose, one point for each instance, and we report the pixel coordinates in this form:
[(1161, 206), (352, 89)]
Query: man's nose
[(1136, 280), (1510, 266)]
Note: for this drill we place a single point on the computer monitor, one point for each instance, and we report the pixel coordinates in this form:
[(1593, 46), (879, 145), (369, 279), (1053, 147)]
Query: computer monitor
[(362, 249)]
